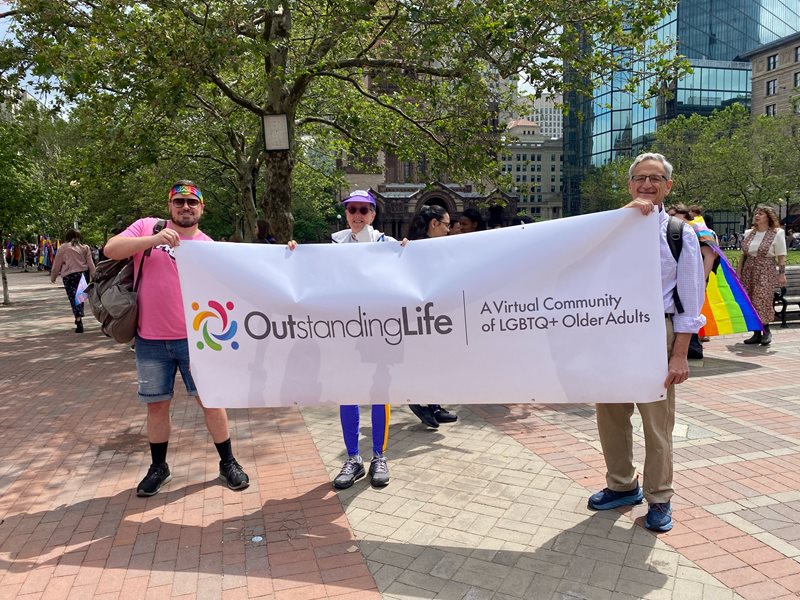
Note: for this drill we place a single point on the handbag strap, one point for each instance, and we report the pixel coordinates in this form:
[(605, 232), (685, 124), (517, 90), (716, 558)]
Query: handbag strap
[(160, 224)]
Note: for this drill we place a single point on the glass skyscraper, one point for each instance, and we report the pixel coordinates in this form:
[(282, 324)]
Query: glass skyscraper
[(711, 34)]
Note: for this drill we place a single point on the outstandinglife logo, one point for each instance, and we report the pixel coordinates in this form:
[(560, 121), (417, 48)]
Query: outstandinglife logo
[(212, 339), (411, 321)]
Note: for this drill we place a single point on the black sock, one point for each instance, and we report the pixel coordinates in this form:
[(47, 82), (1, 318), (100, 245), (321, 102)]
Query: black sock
[(225, 450), (159, 452)]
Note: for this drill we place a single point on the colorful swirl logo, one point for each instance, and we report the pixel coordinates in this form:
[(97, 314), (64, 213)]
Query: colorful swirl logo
[(205, 317)]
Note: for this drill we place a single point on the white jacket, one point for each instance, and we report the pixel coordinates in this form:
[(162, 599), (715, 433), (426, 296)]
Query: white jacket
[(346, 236)]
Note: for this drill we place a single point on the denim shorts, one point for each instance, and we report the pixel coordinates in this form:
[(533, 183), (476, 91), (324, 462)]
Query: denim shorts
[(157, 361)]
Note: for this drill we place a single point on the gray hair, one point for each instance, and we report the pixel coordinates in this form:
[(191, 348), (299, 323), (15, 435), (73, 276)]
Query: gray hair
[(651, 156)]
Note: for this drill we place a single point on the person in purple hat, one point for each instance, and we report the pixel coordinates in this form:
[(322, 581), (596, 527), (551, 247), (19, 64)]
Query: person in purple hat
[(360, 213)]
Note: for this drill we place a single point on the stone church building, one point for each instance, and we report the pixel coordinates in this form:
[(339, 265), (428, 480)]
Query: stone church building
[(401, 189)]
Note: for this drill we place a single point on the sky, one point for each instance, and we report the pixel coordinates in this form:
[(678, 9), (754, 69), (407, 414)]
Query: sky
[(4, 6)]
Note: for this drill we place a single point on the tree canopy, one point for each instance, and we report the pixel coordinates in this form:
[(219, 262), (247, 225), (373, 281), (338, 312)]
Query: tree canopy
[(732, 161), (412, 78)]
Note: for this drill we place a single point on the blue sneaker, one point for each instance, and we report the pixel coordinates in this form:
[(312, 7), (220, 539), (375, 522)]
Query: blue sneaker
[(606, 499), (659, 517)]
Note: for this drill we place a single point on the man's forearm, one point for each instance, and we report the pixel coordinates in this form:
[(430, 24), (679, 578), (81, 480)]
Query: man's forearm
[(681, 345), (119, 247)]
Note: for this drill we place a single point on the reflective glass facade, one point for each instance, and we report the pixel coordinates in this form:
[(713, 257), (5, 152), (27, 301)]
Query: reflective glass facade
[(711, 34)]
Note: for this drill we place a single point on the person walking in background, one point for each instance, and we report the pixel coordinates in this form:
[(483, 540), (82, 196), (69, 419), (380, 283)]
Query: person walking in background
[(73, 260), (762, 268), (431, 222), (263, 233), (161, 344), (471, 220), (683, 289)]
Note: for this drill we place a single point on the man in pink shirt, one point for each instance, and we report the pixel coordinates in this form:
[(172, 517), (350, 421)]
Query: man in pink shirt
[(161, 344)]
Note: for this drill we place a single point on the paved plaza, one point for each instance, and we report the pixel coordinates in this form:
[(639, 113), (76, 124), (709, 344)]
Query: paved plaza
[(492, 507)]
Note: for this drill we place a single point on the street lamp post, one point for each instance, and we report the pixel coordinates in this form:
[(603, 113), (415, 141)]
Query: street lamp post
[(75, 185)]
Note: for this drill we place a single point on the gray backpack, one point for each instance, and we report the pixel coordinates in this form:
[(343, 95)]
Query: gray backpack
[(112, 295)]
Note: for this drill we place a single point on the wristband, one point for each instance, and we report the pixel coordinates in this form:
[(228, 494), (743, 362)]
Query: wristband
[(781, 269)]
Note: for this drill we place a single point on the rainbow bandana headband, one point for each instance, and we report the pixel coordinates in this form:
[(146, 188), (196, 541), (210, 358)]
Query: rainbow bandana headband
[(186, 189), (704, 234)]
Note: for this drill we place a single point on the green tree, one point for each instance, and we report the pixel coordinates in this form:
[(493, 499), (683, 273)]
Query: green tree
[(739, 159), (605, 187), (408, 77), (678, 141), (19, 185)]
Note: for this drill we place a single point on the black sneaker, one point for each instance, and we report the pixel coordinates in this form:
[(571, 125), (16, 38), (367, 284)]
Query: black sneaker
[(442, 415), (425, 414), (352, 469), (233, 475), (156, 476), (379, 471)]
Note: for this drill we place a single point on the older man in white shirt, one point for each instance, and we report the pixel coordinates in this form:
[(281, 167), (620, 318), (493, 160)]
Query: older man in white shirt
[(650, 180)]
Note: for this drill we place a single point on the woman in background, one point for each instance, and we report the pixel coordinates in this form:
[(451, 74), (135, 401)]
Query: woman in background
[(431, 222), (471, 220), (263, 233), (762, 268), (73, 259)]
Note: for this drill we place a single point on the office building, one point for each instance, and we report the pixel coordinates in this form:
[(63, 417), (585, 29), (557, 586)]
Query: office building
[(713, 35), (533, 162), (547, 114), (776, 77)]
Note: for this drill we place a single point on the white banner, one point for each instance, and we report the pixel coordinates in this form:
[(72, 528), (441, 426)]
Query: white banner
[(560, 311)]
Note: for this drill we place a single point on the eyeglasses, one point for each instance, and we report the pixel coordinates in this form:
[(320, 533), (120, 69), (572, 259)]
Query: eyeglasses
[(361, 209), (446, 224), (656, 179), (180, 202)]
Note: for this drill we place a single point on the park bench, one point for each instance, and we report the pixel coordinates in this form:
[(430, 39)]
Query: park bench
[(789, 295)]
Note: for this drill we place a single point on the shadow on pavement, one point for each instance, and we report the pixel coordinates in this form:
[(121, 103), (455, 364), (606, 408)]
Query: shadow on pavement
[(719, 366), (595, 555), (592, 559)]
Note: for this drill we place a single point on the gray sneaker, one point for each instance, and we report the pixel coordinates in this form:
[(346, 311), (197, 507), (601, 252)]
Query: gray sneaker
[(379, 471), (352, 469)]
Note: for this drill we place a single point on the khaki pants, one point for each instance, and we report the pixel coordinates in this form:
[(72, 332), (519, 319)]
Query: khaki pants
[(616, 437)]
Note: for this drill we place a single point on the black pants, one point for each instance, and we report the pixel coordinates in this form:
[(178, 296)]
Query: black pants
[(695, 347), (71, 285)]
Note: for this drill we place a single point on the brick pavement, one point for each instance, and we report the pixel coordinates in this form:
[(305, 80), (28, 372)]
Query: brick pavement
[(493, 506)]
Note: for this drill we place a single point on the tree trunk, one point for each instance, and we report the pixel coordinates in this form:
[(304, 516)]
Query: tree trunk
[(277, 197), (6, 297), (246, 201)]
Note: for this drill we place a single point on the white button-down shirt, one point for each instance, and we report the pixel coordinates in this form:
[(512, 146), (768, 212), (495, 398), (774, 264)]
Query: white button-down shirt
[(687, 274)]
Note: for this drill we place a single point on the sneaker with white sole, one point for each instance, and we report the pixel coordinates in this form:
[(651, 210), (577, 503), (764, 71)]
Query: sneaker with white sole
[(233, 475), (352, 469), (379, 471), (607, 499), (157, 475), (659, 517)]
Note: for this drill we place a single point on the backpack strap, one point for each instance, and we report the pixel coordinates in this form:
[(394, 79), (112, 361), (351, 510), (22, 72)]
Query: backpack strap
[(160, 224), (675, 243)]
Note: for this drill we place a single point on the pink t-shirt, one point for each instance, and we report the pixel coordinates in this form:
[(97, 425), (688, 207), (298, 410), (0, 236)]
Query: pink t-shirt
[(160, 301)]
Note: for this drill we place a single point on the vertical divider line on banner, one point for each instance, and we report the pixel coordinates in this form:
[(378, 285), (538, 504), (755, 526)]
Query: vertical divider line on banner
[(466, 329)]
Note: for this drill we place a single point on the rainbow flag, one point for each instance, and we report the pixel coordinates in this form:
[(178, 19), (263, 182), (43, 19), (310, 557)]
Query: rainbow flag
[(727, 308)]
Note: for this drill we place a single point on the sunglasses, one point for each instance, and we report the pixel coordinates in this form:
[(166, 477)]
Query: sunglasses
[(180, 202), (361, 209)]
